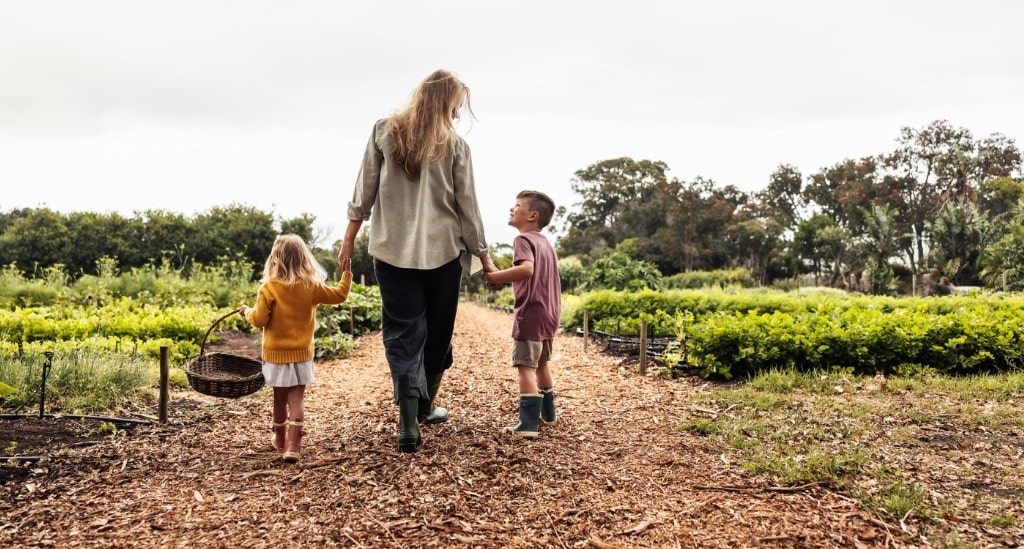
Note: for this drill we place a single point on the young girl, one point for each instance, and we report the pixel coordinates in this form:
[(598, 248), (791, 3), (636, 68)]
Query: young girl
[(291, 288)]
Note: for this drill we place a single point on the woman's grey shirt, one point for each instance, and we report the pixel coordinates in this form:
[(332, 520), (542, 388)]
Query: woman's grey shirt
[(418, 224)]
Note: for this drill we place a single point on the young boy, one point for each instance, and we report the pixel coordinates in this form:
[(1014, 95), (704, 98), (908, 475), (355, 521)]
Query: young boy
[(538, 309)]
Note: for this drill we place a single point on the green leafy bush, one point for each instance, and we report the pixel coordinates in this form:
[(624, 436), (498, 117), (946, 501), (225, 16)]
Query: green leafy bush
[(693, 280), (731, 333)]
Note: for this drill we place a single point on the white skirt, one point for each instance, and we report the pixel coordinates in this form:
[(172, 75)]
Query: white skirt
[(288, 375)]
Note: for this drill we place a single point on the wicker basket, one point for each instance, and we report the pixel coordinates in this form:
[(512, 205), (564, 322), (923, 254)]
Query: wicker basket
[(223, 374)]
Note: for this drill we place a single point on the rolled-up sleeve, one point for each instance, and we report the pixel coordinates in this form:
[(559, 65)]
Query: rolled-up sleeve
[(467, 206), (368, 182)]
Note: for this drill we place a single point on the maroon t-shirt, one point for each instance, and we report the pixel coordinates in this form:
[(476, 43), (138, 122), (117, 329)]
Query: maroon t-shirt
[(538, 298)]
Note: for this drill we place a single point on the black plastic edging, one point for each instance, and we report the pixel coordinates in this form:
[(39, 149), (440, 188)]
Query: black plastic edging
[(27, 459), (97, 418)]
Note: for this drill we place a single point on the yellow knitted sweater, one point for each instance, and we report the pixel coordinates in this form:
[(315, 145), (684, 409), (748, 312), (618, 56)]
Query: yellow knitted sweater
[(287, 315)]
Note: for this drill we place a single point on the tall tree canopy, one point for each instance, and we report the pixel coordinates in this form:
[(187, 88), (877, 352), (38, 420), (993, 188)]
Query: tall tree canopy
[(941, 163), (620, 198)]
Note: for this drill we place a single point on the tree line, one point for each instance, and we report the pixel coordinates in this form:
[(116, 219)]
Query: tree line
[(38, 238), (942, 202)]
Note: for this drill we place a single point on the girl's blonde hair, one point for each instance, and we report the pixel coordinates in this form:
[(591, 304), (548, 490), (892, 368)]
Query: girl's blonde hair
[(423, 130), (291, 261)]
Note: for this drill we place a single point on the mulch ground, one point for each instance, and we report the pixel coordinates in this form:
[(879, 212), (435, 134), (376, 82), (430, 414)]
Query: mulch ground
[(612, 472)]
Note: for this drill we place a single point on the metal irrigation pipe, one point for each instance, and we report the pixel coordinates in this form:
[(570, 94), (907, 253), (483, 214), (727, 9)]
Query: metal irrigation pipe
[(42, 388)]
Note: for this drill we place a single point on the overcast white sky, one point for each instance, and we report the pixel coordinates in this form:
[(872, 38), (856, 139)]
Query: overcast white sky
[(188, 104)]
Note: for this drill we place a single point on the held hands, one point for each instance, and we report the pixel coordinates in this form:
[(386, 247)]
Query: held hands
[(345, 258), (489, 269), (488, 264), (492, 285)]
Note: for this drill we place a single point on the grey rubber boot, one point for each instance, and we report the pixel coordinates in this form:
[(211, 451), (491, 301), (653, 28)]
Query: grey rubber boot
[(547, 406), (529, 416), (408, 428), (428, 413)]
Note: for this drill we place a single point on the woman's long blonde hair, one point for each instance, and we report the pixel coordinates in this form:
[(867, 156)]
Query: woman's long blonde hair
[(423, 130), (291, 261)]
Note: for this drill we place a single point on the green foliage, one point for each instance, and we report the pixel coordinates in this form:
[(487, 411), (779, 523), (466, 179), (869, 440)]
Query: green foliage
[(177, 378), (301, 226), (702, 427), (571, 273), (998, 195), (898, 499), (1003, 521), (106, 330), (39, 237), (936, 164), (570, 307), (123, 318), (609, 309), (18, 291), (236, 229), (821, 244), (881, 243), (42, 238), (957, 237), (866, 340), (338, 326), (333, 345), (621, 198), (80, 381), (179, 351), (738, 333), (724, 278), (504, 299), (360, 313), (224, 284), (1002, 262), (782, 198), (144, 309), (618, 271)]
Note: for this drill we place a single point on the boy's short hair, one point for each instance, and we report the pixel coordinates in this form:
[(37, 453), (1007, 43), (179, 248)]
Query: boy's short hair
[(540, 203)]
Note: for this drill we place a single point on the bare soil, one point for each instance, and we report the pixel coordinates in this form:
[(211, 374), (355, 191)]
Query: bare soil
[(614, 471)]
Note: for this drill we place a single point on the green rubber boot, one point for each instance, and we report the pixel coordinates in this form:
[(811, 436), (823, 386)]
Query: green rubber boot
[(408, 428), (428, 413), (529, 416)]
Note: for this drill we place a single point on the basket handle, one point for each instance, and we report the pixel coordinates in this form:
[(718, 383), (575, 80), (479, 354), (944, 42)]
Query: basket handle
[(202, 346)]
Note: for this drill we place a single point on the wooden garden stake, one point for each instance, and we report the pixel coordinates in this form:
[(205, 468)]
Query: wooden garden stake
[(643, 346), (164, 374), (586, 328)]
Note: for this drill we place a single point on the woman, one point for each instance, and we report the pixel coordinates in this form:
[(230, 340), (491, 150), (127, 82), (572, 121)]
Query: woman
[(416, 187)]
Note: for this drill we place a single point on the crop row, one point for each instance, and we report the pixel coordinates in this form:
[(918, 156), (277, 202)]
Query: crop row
[(736, 333)]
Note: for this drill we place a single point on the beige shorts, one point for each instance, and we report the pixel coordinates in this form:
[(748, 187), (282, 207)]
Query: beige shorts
[(531, 353)]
